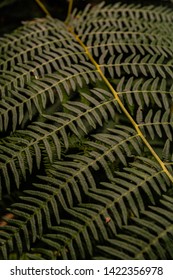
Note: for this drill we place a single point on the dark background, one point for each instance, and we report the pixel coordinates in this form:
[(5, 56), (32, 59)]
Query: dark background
[(13, 12)]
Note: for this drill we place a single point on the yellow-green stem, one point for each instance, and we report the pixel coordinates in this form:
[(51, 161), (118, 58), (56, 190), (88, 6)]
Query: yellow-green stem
[(41, 5), (70, 6)]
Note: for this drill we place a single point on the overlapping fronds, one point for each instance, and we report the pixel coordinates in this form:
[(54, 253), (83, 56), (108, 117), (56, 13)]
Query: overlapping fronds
[(86, 122), (149, 237)]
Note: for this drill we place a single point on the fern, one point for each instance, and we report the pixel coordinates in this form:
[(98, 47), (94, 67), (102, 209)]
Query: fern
[(147, 238), (86, 135)]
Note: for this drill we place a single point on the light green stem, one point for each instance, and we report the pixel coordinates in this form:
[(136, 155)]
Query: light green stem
[(41, 5)]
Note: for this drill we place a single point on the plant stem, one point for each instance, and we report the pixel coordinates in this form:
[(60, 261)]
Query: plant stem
[(43, 7), (70, 6)]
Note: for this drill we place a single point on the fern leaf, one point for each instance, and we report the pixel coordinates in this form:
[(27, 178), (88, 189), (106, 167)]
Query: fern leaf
[(159, 237), (86, 135)]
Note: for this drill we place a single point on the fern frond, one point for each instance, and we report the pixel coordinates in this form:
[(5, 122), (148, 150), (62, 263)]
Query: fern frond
[(149, 65), (145, 92), (41, 93), (65, 177), (29, 40), (137, 241), (86, 135), (49, 136), (154, 125)]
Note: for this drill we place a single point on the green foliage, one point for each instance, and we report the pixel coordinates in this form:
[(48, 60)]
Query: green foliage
[(86, 121)]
